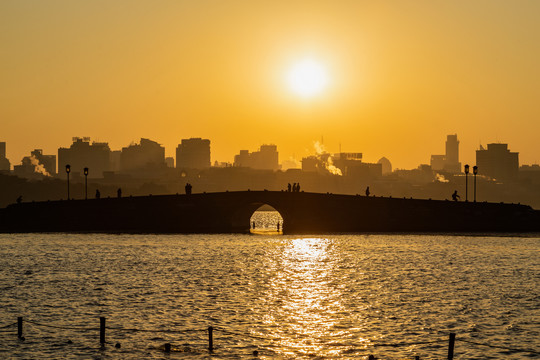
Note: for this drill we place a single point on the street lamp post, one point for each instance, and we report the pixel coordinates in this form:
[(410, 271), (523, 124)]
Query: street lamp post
[(475, 171), (85, 183), (466, 183), (68, 170)]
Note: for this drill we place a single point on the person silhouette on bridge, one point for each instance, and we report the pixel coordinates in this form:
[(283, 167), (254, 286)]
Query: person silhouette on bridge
[(294, 187), (298, 187), (98, 194), (119, 192), (278, 226), (455, 196), (367, 191), (188, 188), (289, 187)]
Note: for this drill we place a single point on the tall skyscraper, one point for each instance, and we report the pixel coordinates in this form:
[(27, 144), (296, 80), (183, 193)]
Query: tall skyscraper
[(452, 148), (452, 163), (5, 165), (193, 153)]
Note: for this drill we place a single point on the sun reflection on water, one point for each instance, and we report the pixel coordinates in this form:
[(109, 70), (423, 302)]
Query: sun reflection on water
[(307, 301)]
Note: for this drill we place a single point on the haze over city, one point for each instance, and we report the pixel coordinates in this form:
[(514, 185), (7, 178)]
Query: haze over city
[(386, 79)]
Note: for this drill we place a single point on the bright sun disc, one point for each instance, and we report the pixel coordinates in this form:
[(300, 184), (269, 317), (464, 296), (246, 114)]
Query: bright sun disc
[(307, 78)]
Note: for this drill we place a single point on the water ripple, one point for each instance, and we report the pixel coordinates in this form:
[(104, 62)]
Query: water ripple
[(286, 297)]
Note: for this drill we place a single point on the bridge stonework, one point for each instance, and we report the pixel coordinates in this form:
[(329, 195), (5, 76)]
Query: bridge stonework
[(230, 212)]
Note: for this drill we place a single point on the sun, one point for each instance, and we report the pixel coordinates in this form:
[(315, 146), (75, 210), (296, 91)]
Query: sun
[(307, 78)]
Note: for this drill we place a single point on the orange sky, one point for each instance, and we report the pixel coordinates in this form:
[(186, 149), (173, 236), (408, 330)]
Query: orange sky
[(402, 75)]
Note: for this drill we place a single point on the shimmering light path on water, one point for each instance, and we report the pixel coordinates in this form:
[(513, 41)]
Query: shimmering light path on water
[(287, 297)]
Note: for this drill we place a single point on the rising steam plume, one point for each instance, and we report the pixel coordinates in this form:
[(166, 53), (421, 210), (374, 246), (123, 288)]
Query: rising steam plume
[(38, 167), (325, 159)]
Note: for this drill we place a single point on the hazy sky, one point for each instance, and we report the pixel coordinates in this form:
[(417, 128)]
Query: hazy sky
[(401, 75)]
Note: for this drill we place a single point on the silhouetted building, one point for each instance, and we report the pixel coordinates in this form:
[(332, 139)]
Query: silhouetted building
[(25, 169), (81, 154), (312, 163), (193, 153), (243, 159), (144, 156), (47, 161), (530, 174), (497, 162), (345, 161), (386, 165), (36, 164), (528, 168), (222, 164), (324, 163), (115, 160), (365, 171), (5, 165), (345, 164), (438, 162), (267, 158), (450, 161)]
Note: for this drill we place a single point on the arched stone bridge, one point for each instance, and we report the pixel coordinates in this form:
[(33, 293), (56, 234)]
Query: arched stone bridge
[(230, 212)]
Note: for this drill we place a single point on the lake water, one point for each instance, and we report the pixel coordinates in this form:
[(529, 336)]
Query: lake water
[(313, 297)]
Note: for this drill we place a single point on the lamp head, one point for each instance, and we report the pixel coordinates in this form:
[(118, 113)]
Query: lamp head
[(68, 168), (85, 171), (466, 169), (475, 170)]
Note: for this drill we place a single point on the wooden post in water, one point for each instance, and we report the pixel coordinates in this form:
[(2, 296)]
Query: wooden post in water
[(102, 330), (210, 339), (451, 342), (168, 347), (19, 327)]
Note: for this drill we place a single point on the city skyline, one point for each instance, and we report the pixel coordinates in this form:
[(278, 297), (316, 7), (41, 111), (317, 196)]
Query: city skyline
[(436, 162), (387, 79)]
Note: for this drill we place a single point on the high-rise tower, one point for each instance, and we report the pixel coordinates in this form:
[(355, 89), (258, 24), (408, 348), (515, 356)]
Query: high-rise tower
[(452, 163)]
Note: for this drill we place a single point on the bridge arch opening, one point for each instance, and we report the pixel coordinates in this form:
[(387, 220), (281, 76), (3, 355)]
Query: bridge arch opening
[(266, 219)]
